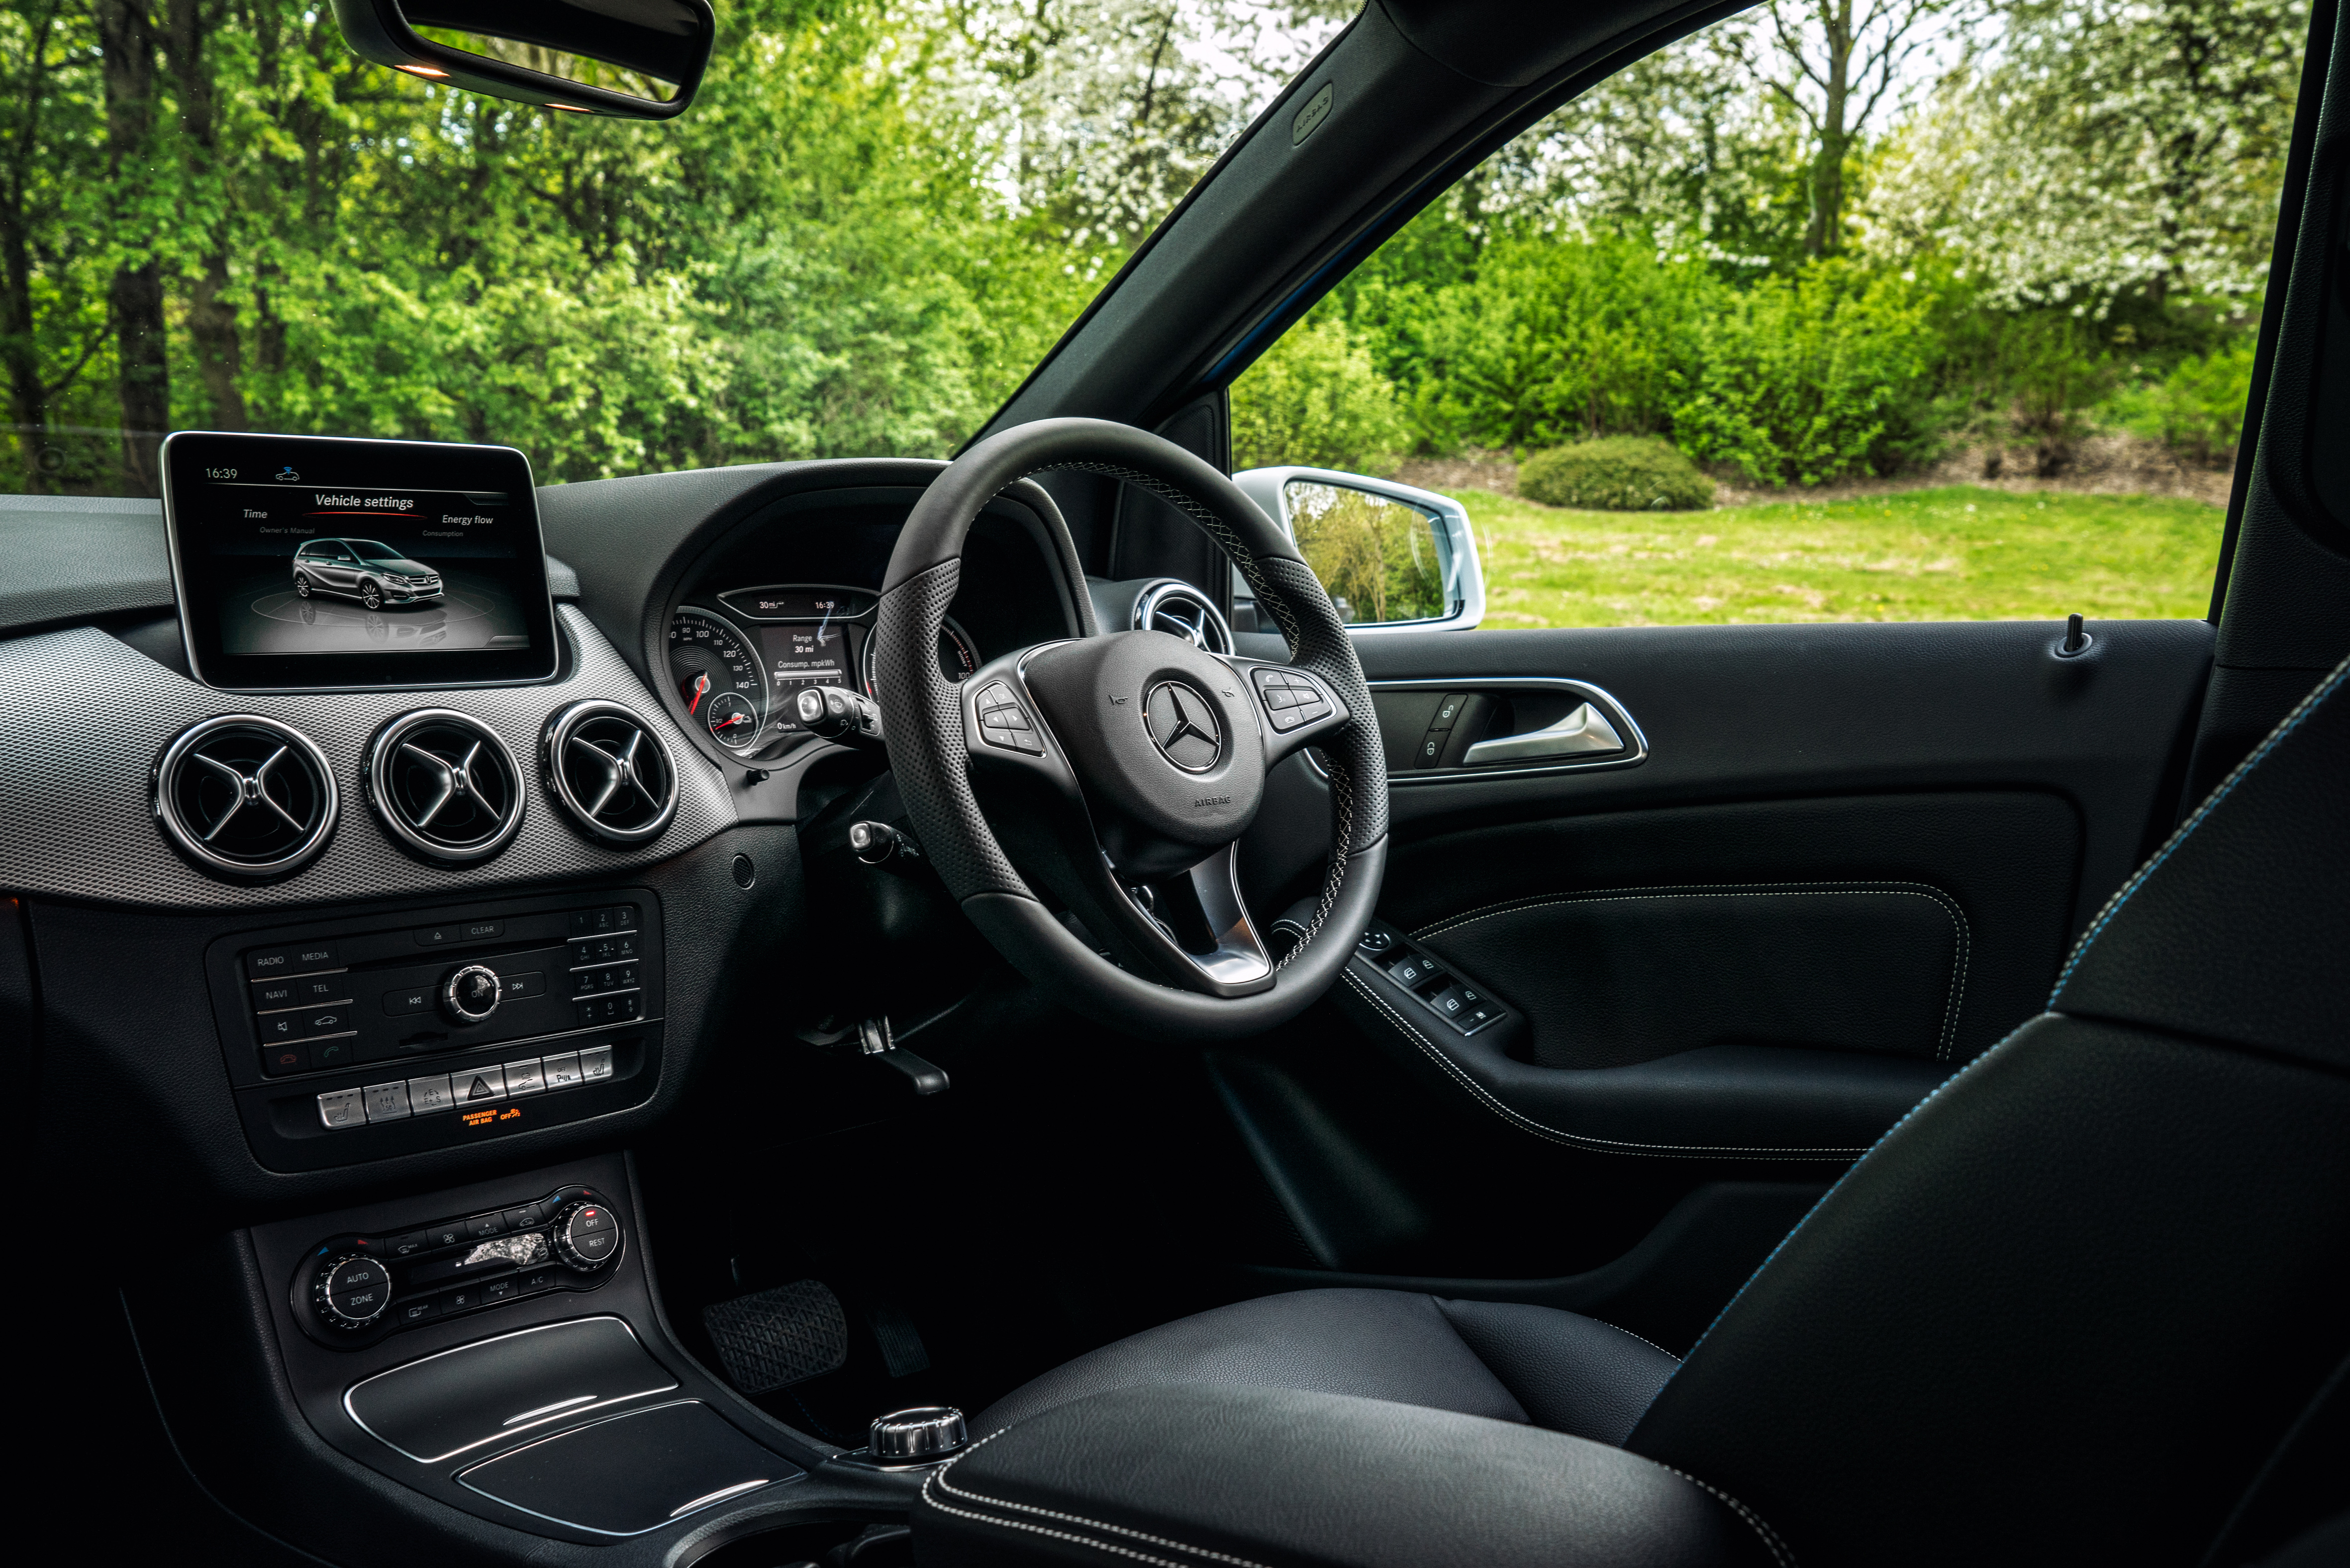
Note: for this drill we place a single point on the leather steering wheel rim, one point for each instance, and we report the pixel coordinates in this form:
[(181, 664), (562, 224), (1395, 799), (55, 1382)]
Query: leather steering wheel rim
[(924, 725)]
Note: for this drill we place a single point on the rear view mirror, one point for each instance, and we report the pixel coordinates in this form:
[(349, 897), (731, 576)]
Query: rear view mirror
[(638, 60), (1389, 555)]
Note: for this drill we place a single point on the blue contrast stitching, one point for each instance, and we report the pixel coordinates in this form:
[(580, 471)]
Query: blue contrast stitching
[(1816, 1208), (2291, 723)]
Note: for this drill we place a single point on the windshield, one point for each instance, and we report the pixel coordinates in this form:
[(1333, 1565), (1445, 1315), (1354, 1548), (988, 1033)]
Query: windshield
[(874, 220), (368, 550)]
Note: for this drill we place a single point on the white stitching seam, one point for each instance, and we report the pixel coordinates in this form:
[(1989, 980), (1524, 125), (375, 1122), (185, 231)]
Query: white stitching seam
[(1770, 1542), (937, 1480), (1606, 1146), (1644, 1339), (1947, 905)]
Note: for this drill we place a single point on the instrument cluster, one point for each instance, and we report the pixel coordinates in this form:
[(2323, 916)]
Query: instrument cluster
[(737, 658)]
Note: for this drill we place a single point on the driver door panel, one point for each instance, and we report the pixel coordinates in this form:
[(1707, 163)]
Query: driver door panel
[(1830, 866)]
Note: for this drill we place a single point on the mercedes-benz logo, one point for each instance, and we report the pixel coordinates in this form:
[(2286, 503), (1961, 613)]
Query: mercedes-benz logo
[(1182, 725)]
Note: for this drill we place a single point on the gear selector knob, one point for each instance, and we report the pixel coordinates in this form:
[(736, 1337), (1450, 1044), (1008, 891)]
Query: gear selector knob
[(918, 1436)]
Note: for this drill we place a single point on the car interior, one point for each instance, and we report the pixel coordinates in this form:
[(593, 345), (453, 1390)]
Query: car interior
[(877, 1010)]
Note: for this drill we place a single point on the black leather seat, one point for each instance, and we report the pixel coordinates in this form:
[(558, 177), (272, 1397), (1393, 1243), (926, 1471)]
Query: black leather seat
[(2084, 1304)]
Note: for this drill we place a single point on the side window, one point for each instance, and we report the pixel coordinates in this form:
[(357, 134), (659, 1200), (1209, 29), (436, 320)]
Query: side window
[(1806, 319)]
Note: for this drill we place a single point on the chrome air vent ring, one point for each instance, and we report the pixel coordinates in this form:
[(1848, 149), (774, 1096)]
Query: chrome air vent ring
[(1179, 609), (612, 770), (246, 796), (445, 786)]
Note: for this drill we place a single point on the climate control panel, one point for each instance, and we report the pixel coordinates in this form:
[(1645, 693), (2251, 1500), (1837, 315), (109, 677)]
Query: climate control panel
[(353, 1290)]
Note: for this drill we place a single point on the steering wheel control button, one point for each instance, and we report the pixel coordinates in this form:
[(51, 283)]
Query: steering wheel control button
[(1004, 724), (1290, 698), (471, 994), (387, 1102), (918, 1437), (342, 1108)]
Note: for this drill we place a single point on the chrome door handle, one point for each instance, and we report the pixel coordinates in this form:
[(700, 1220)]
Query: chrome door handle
[(1584, 730)]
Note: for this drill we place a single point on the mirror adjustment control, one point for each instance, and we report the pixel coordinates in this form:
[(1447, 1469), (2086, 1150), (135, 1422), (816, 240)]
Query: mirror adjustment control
[(586, 1235), (471, 993), (351, 1293)]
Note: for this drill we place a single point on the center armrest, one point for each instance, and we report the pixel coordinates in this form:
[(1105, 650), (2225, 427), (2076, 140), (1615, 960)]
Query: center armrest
[(1201, 1476)]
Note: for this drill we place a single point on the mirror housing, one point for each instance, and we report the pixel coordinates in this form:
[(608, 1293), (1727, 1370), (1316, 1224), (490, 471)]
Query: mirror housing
[(590, 57), (1458, 565)]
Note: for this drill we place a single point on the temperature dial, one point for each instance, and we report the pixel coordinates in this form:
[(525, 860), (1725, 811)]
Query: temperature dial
[(351, 1293), (586, 1235)]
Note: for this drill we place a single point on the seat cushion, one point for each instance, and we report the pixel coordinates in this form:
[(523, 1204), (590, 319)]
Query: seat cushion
[(1505, 1361)]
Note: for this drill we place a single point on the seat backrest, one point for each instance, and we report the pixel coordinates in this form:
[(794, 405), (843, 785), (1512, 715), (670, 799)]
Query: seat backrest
[(2069, 1308)]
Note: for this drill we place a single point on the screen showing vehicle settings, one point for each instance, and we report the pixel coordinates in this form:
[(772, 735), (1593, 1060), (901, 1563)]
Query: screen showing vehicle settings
[(309, 562)]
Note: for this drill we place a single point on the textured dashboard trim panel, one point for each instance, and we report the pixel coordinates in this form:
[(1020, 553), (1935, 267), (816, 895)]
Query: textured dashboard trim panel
[(77, 820)]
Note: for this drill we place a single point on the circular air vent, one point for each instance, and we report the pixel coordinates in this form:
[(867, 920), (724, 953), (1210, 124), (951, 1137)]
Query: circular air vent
[(612, 772), (1181, 610), (246, 796), (445, 785)]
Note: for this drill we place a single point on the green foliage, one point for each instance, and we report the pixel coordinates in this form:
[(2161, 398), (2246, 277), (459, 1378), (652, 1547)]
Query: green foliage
[(1615, 474), (2197, 409), (1314, 400), (1813, 377), (1376, 557), (1557, 339)]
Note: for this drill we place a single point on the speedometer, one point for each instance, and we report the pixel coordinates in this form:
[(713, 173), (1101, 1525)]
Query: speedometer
[(718, 678)]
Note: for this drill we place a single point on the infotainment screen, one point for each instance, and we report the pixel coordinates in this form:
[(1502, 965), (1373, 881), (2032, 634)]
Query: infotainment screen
[(305, 562)]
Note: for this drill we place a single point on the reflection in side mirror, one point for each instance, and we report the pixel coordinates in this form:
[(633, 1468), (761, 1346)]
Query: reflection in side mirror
[(637, 59), (1392, 557)]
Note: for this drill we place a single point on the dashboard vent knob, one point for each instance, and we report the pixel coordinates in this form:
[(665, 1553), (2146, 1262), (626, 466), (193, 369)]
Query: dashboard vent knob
[(611, 771), (1181, 610), (246, 796), (445, 785)]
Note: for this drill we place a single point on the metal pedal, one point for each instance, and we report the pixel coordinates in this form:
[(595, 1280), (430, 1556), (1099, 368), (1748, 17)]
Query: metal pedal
[(772, 1339)]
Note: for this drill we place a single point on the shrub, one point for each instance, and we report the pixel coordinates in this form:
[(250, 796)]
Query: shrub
[(1615, 474), (1811, 378), (1314, 400), (2197, 410)]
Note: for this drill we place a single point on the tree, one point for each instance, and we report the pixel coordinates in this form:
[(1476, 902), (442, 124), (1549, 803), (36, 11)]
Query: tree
[(2108, 151), (1834, 69)]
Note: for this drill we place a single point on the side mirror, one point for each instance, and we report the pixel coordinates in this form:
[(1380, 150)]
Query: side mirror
[(1392, 557), (637, 60)]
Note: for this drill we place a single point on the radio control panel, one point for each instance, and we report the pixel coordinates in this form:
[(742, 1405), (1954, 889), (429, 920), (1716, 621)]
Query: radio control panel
[(354, 1039)]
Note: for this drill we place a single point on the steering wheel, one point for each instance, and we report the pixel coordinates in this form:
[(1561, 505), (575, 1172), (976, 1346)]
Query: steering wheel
[(1118, 771)]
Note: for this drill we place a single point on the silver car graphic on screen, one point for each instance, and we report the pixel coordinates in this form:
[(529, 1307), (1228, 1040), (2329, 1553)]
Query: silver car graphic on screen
[(374, 573)]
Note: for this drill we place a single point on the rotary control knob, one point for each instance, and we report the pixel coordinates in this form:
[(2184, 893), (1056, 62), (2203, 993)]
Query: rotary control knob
[(351, 1293), (471, 994), (586, 1234), (917, 1437)]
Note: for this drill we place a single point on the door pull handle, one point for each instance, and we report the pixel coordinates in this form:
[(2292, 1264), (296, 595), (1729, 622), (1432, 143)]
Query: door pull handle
[(1584, 731)]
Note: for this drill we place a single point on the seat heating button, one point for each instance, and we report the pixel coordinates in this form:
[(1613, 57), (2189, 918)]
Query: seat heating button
[(342, 1108), (594, 1063), (434, 1094), (388, 1103)]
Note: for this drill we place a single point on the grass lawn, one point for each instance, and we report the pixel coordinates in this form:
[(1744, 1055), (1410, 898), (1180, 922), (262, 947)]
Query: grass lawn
[(1957, 553)]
